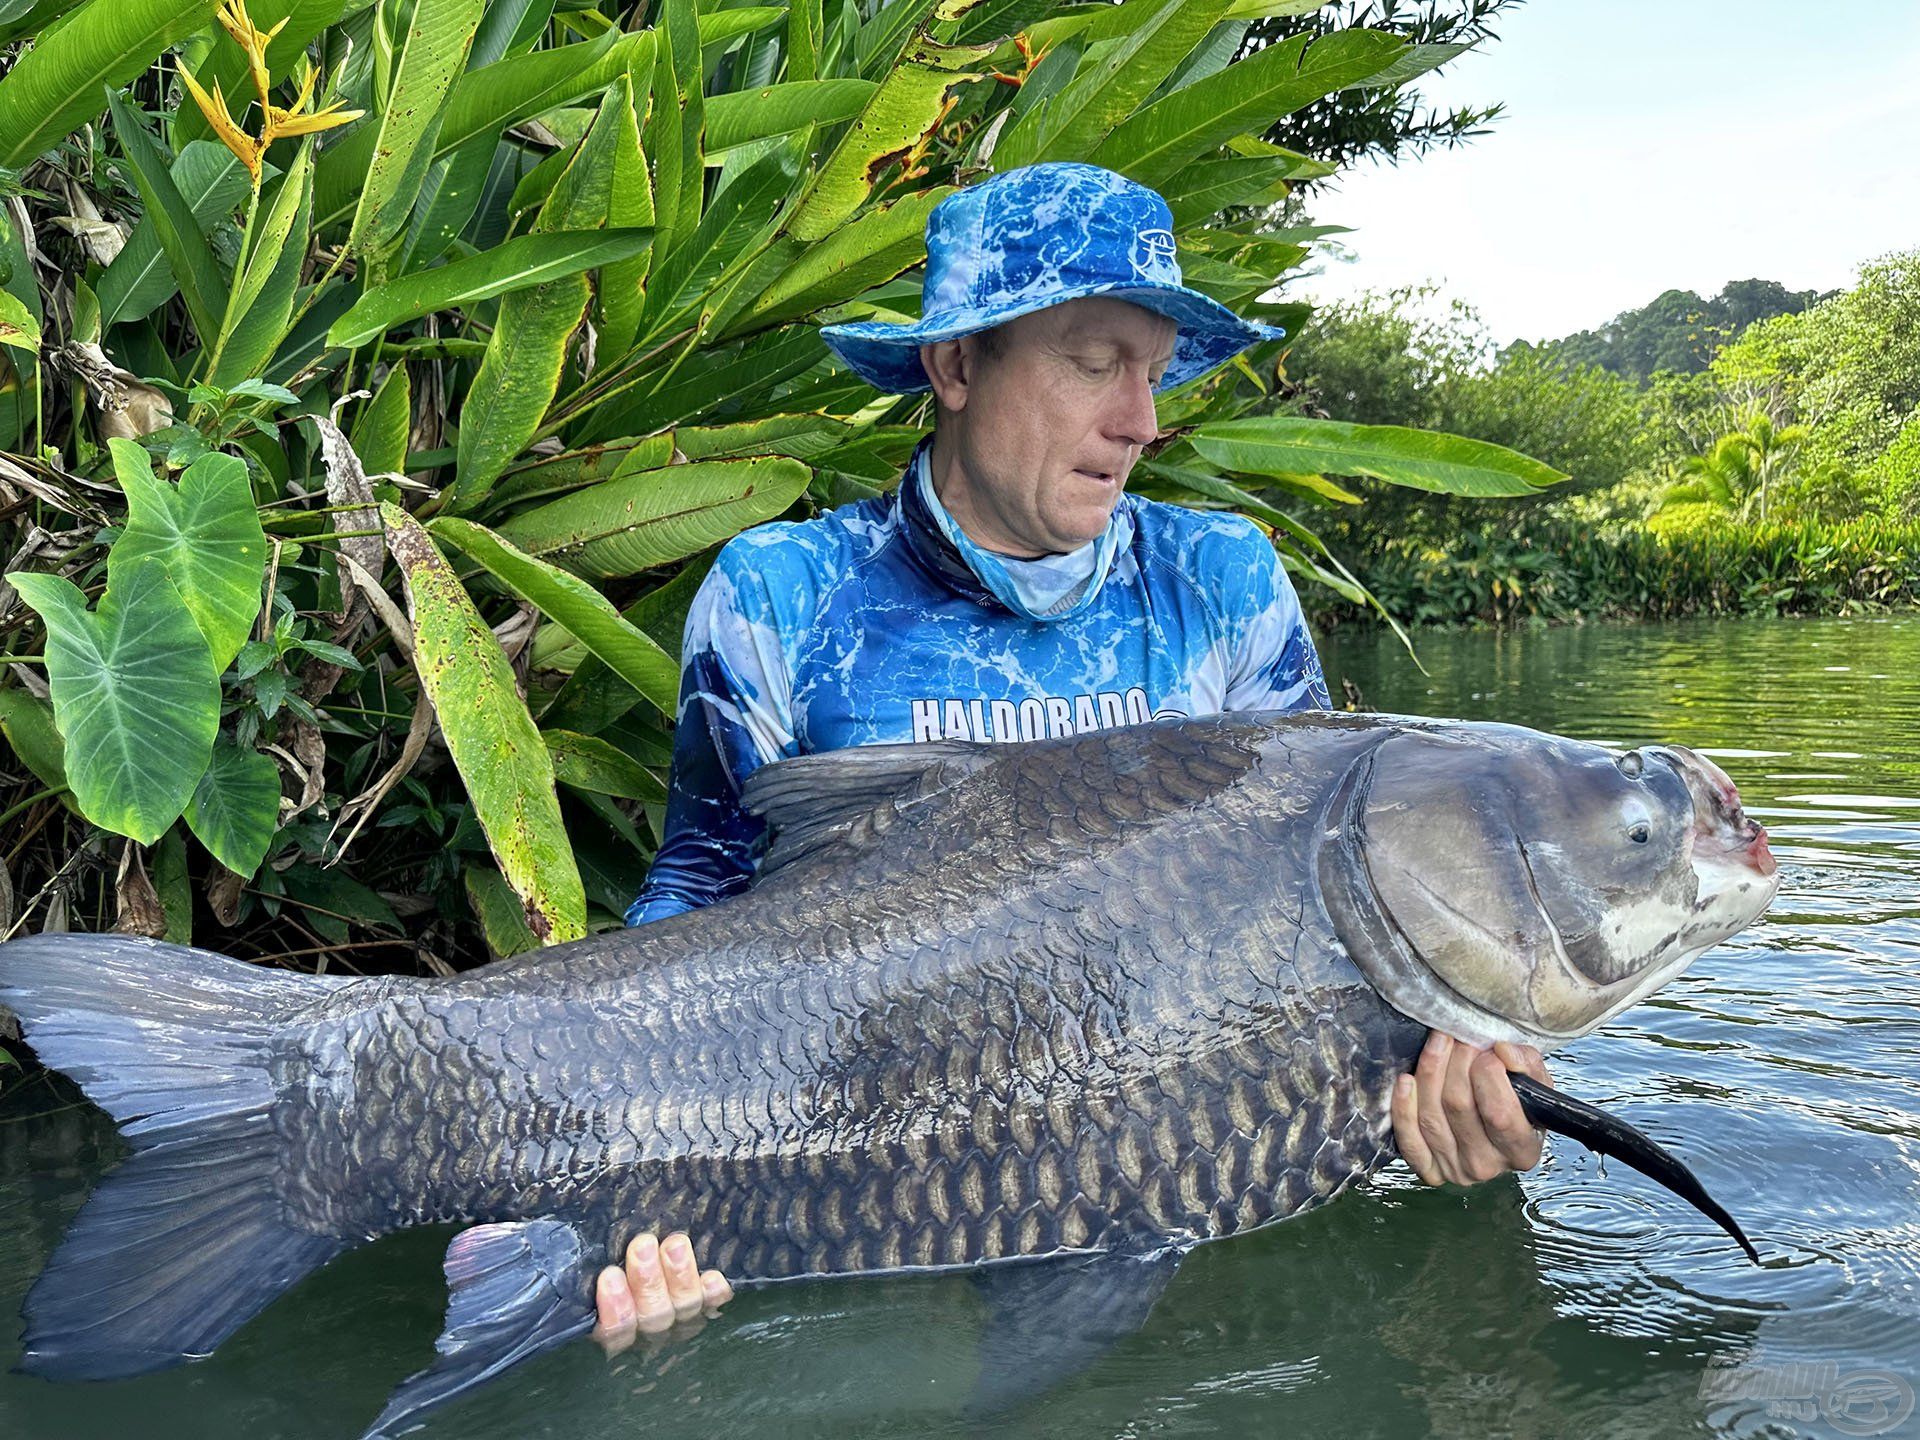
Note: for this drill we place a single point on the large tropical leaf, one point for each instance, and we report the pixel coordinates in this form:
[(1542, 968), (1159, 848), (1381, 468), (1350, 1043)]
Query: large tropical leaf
[(597, 767), (635, 522), (906, 107), (207, 534), (1154, 143), (55, 87), (521, 370), (594, 697), (741, 117), (1112, 81), (512, 265), (252, 332), (135, 695), (492, 739), (236, 807), (587, 614), (430, 54), (202, 284), (1286, 445), (211, 179), (873, 249)]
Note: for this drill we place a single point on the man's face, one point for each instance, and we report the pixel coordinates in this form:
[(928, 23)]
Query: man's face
[(1046, 431)]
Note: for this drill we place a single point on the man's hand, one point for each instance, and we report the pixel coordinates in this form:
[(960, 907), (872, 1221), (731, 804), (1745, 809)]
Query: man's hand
[(658, 1289), (1456, 1118)]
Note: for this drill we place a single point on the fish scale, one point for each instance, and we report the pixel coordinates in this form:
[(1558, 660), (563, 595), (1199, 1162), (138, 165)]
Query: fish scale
[(1013, 1054)]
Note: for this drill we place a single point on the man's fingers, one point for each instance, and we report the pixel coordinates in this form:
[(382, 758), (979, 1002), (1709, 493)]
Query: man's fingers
[(1506, 1123), (1406, 1131), (614, 1301), (1429, 1085), (715, 1290), (1480, 1158), (653, 1305), (684, 1291)]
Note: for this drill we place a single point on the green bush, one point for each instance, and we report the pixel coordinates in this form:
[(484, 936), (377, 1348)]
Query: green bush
[(1692, 562)]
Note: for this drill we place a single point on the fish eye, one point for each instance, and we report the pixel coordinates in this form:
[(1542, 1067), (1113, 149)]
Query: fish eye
[(1631, 765), (1640, 833)]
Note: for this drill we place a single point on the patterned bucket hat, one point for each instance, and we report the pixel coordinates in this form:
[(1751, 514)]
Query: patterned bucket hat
[(1037, 236)]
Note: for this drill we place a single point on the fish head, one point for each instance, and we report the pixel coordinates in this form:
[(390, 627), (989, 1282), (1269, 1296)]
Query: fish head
[(1498, 883)]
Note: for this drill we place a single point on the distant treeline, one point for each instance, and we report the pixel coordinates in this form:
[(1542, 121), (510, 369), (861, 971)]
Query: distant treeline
[(1679, 331)]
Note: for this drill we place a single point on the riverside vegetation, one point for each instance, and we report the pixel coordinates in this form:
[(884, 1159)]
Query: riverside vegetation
[(1756, 453), (379, 378)]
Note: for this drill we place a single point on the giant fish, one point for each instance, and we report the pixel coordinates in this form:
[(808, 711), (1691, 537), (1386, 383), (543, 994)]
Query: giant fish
[(1053, 1012)]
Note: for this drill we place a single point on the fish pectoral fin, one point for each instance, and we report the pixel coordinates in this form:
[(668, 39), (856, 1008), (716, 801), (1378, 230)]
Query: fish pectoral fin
[(1051, 1319), (514, 1290)]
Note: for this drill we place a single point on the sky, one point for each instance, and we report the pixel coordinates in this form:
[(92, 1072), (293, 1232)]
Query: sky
[(1647, 147)]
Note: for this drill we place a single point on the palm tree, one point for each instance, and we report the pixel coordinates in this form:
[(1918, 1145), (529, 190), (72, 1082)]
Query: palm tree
[(1739, 469)]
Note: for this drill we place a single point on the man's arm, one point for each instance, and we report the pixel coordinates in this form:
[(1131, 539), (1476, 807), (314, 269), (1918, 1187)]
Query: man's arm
[(733, 718), (1455, 1118)]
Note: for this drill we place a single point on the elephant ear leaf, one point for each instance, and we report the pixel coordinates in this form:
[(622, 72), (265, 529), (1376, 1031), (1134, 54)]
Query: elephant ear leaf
[(236, 807), (207, 534), (135, 696)]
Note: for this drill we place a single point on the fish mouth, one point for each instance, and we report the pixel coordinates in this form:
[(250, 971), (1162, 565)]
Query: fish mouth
[(1722, 830)]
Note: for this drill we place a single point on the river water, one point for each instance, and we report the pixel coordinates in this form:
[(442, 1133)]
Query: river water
[(1570, 1301)]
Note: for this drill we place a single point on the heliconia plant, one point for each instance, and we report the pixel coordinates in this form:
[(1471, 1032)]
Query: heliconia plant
[(377, 376)]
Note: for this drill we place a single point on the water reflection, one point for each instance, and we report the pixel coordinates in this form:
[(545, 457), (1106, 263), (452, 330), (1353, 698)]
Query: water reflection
[(1576, 1300)]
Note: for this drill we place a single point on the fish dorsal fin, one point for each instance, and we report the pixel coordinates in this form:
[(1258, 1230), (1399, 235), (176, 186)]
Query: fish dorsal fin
[(813, 801)]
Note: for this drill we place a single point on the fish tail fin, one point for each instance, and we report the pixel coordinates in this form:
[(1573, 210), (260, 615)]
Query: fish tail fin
[(189, 1238)]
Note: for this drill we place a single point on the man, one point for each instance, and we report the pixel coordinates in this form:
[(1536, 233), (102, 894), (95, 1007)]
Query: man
[(1008, 589)]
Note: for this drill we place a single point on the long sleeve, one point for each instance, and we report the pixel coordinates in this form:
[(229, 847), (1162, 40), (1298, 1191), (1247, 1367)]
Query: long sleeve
[(1275, 665), (734, 716)]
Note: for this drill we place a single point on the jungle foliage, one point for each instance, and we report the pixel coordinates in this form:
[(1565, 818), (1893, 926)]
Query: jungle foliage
[(380, 375)]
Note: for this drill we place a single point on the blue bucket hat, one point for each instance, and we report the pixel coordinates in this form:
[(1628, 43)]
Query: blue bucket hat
[(1037, 236)]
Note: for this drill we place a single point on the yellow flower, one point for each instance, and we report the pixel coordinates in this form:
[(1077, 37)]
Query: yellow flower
[(293, 120), (214, 107), (250, 38)]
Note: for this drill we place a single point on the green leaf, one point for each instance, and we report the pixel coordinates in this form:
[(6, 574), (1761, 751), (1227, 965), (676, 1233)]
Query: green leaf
[(1155, 143), (635, 522), (430, 56), (135, 695), (630, 205), (206, 532), (202, 284), (27, 722), (803, 40), (1113, 80), (259, 329), (236, 807), (884, 242), (18, 328), (518, 378), (172, 884), (492, 739), (380, 433), (211, 179), (54, 88), (503, 919), (901, 112), (741, 117), (1284, 446), (333, 901), (571, 601), (512, 265), (674, 132), (586, 762), (272, 233), (594, 697), (708, 377)]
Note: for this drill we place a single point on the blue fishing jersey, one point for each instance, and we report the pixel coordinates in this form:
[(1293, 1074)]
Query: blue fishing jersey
[(880, 622)]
